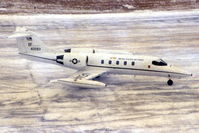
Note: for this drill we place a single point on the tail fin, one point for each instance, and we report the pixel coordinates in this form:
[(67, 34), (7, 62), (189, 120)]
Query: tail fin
[(28, 42)]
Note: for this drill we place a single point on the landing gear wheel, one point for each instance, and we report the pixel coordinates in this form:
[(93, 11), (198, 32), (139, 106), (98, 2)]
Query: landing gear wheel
[(170, 82)]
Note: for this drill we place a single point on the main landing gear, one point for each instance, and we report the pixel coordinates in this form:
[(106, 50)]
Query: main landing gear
[(170, 82)]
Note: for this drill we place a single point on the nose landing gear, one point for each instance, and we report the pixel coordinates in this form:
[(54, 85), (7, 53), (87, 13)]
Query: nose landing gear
[(170, 82)]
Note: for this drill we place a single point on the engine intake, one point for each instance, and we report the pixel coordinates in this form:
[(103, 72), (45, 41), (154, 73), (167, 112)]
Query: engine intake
[(60, 59)]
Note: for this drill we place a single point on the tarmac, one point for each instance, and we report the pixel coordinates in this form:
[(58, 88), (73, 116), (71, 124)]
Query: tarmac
[(138, 104)]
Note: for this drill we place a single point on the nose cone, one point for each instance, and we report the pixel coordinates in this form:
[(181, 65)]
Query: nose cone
[(181, 72), (189, 74)]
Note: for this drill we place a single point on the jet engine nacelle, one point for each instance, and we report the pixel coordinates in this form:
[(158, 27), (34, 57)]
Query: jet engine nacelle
[(72, 60)]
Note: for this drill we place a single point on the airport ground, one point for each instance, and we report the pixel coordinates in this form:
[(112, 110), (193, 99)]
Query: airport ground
[(138, 104)]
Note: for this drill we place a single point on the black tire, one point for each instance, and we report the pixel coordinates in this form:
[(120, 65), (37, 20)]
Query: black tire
[(170, 82), (74, 61)]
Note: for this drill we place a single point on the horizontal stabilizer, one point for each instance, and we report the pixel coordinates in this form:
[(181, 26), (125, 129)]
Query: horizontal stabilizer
[(18, 35)]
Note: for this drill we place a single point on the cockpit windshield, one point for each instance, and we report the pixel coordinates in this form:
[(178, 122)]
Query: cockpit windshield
[(159, 63)]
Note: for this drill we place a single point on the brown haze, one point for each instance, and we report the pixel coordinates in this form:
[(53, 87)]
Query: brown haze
[(91, 6)]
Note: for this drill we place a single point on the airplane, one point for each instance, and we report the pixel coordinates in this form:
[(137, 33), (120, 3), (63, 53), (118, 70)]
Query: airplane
[(92, 63)]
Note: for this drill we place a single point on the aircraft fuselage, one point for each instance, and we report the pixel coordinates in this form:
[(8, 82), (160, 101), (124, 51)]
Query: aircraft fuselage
[(121, 64)]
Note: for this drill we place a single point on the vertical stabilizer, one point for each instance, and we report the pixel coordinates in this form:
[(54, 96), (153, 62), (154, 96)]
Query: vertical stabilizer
[(28, 42)]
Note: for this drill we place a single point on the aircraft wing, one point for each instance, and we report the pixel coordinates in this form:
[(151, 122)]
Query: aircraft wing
[(83, 78)]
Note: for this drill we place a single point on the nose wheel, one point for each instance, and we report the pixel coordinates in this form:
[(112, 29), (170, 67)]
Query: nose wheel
[(170, 82)]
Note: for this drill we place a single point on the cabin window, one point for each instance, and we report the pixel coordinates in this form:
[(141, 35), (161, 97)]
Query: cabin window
[(125, 62), (132, 63), (117, 62), (159, 63), (110, 62), (102, 61)]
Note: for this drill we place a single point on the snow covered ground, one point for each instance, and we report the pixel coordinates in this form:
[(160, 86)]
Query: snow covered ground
[(29, 103)]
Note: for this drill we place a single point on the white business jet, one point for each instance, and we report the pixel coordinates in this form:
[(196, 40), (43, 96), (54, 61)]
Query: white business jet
[(92, 63)]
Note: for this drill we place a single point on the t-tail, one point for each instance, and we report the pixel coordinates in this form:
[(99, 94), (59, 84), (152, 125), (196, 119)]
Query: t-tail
[(29, 44)]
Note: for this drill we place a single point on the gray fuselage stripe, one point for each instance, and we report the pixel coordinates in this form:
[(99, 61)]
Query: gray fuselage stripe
[(37, 57), (136, 69)]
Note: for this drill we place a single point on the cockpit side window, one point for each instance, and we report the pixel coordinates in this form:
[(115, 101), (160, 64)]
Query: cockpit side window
[(159, 63)]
